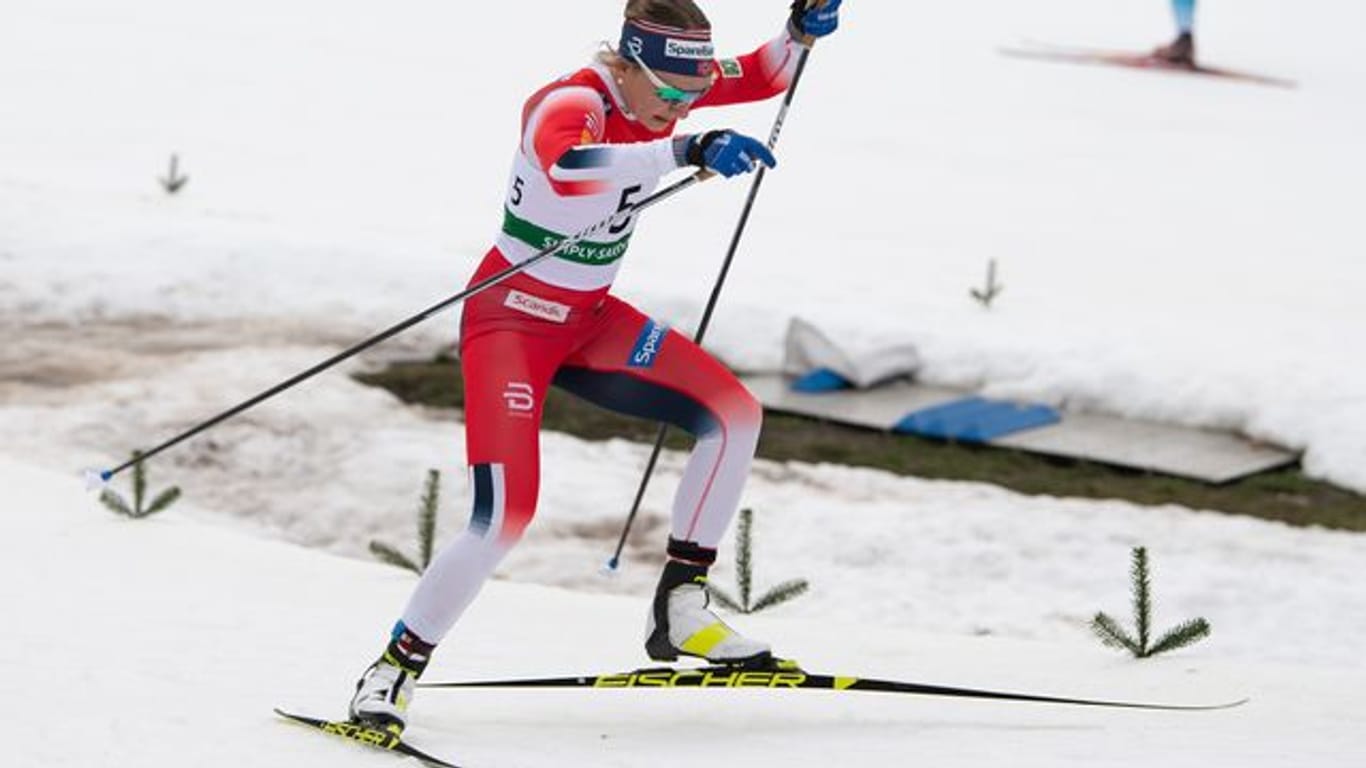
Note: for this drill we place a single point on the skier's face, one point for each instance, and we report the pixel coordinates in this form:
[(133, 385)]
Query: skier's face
[(659, 98)]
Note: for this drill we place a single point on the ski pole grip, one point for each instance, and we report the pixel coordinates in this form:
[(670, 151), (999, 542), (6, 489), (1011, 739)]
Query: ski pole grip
[(807, 41)]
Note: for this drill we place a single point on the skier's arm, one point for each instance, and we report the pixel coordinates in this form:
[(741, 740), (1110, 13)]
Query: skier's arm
[(563, 137), (758, 75), (768, 71)]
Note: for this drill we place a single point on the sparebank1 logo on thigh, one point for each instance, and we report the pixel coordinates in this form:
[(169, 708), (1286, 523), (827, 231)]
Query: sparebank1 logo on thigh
[(648, 345)]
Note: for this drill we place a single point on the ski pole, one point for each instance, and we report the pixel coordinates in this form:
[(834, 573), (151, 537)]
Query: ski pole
[(96, 478), (806, 43)]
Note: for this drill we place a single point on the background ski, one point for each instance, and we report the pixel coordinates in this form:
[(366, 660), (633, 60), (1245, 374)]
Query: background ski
[(795, 679), (1134, 60), (361, 734)]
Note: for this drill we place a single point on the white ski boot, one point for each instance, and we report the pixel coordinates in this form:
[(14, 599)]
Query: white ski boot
[(681, 624), (386, 688), (382, 696)]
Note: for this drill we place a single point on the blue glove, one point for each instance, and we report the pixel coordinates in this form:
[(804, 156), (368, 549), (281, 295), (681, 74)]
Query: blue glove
[(815, 22), (728, 153)]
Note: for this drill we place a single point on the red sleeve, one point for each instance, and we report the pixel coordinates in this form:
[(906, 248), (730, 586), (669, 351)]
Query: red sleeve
[(756, 76), (558, 119), (563, 135)]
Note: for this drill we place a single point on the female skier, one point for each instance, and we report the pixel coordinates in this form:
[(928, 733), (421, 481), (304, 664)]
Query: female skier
[(593, 143)]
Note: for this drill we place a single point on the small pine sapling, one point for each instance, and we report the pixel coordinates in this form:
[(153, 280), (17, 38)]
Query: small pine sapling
[(1112, 634), (991, 290), (173, 180), (744, 560), (426, 530), (139, 509)]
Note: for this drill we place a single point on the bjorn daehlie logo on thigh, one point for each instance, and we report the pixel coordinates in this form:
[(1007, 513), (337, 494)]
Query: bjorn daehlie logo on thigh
[(519, 399)]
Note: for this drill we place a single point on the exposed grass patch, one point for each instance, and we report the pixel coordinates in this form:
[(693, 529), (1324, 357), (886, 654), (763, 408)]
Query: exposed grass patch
[(1285, 495)]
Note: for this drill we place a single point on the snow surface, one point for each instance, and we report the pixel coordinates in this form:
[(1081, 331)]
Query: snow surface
[(167, 642), (1171, 248)]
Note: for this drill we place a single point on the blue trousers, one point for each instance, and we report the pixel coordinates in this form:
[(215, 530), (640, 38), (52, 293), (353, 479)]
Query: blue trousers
[(1184, 10)]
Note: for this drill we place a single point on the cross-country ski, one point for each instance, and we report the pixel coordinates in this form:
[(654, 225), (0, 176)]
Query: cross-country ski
[(792, 678), (1137, 60), (386, 740)]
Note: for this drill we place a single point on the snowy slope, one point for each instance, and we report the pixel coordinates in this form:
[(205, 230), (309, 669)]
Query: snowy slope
[(167, 642), (343, 464)]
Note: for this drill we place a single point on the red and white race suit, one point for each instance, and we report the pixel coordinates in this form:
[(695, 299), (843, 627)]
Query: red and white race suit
[(583, 157)]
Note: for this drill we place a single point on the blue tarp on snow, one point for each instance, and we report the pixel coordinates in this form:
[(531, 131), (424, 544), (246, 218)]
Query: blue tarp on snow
[(821, 380), (976, 419)]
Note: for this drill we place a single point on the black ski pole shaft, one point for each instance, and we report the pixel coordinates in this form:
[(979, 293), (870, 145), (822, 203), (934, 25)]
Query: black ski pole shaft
[(103, 476), (715, 296)]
